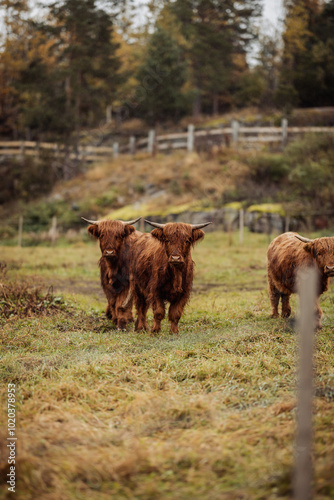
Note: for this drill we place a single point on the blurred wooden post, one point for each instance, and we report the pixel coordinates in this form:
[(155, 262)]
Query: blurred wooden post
[(235, 132), (108, 113), (132, 145), (284, 132), (53, 231), (241, 226), (307, 284), (115, 149), (22, 151), (150, 142), (142, 225), (287, 223), (19, 238), (190, 138)]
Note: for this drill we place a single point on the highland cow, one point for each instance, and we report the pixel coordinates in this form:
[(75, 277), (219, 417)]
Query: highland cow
[(286, 254), (116, 239), (162, 271)]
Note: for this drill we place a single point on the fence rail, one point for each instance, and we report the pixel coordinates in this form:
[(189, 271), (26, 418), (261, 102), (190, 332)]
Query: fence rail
[(191, 140)]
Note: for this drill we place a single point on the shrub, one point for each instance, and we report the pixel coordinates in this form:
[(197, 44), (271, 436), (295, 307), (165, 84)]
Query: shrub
[(23, 299)]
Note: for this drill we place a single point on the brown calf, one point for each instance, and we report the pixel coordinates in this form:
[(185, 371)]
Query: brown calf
[(116, 239), (162, 272), (286, 254)]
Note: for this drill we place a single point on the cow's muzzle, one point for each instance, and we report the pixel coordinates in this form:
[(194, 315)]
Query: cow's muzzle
[(176, 260), (109, 254), (329, 270)]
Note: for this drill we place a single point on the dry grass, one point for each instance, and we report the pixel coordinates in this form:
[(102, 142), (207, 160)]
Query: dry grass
[(209, 414), (157, 186)]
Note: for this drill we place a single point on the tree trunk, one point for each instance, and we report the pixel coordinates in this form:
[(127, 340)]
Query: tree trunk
[(215, 104), (197, 106)]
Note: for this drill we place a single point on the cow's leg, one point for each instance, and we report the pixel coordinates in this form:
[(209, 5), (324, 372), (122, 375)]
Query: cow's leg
[(274, 296), (175, 312), (141, 308), (286, 309), (158, 313), (111, 309), (123, 311)]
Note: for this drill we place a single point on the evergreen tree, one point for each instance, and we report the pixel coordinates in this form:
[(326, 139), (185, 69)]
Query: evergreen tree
[(74, 91), (161, 79), (219, 33), (307, 75)]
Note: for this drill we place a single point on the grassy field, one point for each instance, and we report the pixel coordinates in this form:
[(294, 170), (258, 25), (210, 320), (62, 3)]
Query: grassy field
[(208, 414)]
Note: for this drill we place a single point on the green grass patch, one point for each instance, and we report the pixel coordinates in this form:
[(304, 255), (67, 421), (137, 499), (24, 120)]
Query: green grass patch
[(209, 413)]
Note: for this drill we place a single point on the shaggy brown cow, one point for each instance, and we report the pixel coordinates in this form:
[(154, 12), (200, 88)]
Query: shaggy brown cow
[(116, 238), (163, 272), (286, 254)]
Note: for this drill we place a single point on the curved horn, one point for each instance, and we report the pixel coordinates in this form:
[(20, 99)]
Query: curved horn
[(90, 221), (131, 221), (199, 226), (155, 224), (304, 240)]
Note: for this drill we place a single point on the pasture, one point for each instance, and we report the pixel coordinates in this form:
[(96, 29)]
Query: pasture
[(207, 414)]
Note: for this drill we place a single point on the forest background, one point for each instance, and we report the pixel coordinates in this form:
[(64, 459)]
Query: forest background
[(74, 71)]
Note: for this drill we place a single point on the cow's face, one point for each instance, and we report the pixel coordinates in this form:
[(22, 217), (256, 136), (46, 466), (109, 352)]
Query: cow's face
[(177, 238), (322, 250), (111, 236)]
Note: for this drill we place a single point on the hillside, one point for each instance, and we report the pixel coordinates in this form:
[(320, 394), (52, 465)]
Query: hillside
[(297, 181)]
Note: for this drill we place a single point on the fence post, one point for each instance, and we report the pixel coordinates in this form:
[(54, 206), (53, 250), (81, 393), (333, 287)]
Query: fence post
[(306, 286), (132, 145), (115, 149), (287, 223), (150, 142), (19, 238), (108, 113), (53, 230), (22, 151), (191, 138), (241, 226), (284, 132), (235, 132)]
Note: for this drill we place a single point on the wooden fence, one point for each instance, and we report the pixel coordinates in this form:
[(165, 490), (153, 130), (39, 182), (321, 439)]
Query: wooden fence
[(233, 136)]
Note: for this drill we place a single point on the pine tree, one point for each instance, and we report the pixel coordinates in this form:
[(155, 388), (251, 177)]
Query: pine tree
[(161, 79), (219, 33), (307, 74)]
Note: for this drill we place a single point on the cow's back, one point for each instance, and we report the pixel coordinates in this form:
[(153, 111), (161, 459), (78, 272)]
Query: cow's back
[(148, 257), (285, 255)]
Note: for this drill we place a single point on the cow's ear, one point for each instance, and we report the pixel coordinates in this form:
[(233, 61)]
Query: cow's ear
[(158, 233), (309, 247), (94, 230), (197, 235), (128, 229)]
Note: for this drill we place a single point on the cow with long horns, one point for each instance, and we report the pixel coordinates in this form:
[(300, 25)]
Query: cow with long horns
[(162, 271), (116, 239), (286, 254)]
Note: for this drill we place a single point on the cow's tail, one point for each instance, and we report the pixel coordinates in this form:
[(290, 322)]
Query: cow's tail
[(129, 297)]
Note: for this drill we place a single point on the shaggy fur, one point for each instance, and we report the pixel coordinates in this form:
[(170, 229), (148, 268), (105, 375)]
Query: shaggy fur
[(116, 240), (286, 254), (163, 272)]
